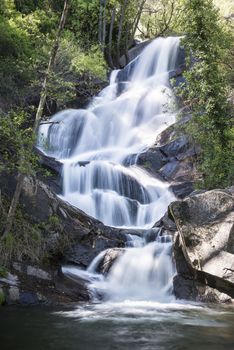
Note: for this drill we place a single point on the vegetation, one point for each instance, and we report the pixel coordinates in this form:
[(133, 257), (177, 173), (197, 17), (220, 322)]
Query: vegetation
[(37, 72), (208, 42)]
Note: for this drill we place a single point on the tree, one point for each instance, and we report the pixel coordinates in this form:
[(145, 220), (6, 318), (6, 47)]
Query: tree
[(206, 91), (118, 23), (21, 175)]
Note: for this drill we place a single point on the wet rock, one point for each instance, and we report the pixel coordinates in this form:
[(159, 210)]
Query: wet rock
[(173, 159), (177, 171), (49, 162), (153, 159), (109, 259), (82, 254), (77, 237), (166, 223), (204, 248), (190, 289), (181, 58), (134, 52), (182, 189), (176, 147), (34, 288)]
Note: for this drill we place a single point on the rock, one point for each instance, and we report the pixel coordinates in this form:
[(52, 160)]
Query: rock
[(76, 237), (38, 273), (36, 286), (83, 254), (181, 58), (190, 289), (10, 279), (177, 171), (182, 189), (173, 159), (13, 295), (153, 159), (49, 162), (28, 298), (204, 248), (176, 147), (109, 259), (134, 52), (72, 236), (166, 223)]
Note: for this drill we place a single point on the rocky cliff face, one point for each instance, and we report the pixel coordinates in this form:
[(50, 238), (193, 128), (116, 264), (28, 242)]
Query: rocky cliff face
[(204, 245), (77, 239)]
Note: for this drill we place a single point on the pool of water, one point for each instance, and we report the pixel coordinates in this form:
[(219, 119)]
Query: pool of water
[(124, 325)]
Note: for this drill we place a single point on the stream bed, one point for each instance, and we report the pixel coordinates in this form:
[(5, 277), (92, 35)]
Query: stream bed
[(127, 325)]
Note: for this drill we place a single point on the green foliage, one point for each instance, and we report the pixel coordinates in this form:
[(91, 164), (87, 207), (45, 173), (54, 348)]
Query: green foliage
[(16, 144), (206, 91), (3, 272), (54, 222), (27, 31), (92, 62), (83, 22), (71, 62), (160, 18), (25, 241)]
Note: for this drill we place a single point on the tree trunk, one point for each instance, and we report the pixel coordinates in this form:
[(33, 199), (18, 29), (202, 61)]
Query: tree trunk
[(100, 23), (137, 20), (110, 39), (50, 66), (14, 204), (123, 8), (104, 26), (21, 177)]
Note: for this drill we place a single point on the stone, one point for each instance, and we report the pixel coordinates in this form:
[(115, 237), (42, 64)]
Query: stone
[(109, 259), (38, 273), (10, 280), (190, 289), (205, 223), (134, 52), (13, 295), (175, 147), (28, 298), (152, 160)]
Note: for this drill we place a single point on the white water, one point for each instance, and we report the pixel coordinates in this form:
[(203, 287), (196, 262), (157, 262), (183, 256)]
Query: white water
[(95, 144), (98, 148)]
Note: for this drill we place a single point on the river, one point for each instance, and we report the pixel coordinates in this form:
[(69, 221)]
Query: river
[(128, 325)]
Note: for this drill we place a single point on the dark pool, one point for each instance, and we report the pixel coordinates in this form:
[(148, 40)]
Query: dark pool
[(126, 325)]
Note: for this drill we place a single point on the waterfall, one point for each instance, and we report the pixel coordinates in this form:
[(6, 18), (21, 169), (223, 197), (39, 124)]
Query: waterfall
[(98, 148)]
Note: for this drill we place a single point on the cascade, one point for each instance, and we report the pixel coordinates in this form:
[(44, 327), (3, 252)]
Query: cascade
[(98, 148)]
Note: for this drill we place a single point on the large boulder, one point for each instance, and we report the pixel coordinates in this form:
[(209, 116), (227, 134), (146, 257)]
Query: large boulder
[(204, 245)]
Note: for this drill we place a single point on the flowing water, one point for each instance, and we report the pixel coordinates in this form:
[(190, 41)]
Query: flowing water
[(98, 148)]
